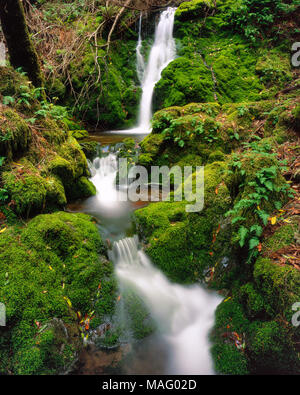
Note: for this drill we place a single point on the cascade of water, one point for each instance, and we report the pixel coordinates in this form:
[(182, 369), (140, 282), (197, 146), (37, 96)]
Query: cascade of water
[(184, 314), (140, 63), (162, 53), (104, 172)]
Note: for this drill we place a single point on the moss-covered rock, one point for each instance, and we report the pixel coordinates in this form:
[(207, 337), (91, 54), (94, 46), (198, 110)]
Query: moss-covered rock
[(62, 168), (271, 349), (10, 81), (29, 191), (82, 188), (50, 270), (80, 134), (185, 80), (177, 241), (15, 134)]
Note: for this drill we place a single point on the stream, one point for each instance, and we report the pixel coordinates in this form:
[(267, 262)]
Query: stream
[(183, 315)]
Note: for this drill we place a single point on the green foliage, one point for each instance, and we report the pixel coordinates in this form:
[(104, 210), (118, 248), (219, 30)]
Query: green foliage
[(113, 102), (264, 192), (189, 10), (255, 17)]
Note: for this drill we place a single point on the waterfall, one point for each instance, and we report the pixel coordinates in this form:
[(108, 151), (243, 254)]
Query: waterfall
[(162, 53), (140, 63), (184, 314), (104, 172), (109, 203)]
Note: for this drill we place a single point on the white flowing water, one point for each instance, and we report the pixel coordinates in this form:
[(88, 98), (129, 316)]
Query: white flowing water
[(140, 62), (184, 314), (162, 53), (109, 204), (104, 172)]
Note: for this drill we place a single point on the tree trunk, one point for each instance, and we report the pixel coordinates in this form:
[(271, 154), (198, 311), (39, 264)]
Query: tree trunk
[(20, 47)]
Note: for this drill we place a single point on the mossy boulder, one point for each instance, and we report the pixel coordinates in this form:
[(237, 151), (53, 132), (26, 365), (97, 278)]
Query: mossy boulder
[(10, 81), (71, 151), (55, 132), (15, 134), (30, 192), (62, 168), (179, 242), (82, 188), (50, 270), (230, 326), (272, 349), (185, 80), (80, 134)]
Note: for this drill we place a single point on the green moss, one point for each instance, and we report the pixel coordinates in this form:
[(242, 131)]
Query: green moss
[(152, 144), (82, 188), (29, 192), (283, 237), (229, 360), (274, 68), (55, 195), (279, 285), (211, 109), (10, 81), (253, 302), (15, 134), (179, 242), (216, 156), (271, 349), (79, 134), (114, 102), (193, 9), (89, 148), (229, 319), (54, 257), (62, 168), (53, 131), (140, 322), (72, 152), (185, 80)]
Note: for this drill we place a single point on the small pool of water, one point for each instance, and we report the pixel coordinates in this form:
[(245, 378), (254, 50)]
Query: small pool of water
[(111, 138)]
